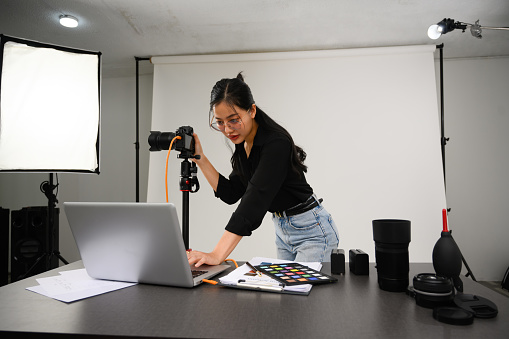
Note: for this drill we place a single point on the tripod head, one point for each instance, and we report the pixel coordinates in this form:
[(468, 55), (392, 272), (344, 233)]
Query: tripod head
[(47, 188), (188, 178)]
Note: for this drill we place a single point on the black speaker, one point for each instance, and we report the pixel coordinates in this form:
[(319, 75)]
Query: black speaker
[(4, 246), (33, 242)]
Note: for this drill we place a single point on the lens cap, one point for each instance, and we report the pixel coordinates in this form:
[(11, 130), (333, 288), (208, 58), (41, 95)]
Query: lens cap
[(480, 307), (453, 315)]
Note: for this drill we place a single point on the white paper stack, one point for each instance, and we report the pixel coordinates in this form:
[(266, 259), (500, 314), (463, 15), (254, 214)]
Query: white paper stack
[(74, 285)]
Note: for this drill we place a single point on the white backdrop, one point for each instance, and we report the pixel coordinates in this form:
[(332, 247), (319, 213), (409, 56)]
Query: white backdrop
[(367, 118)]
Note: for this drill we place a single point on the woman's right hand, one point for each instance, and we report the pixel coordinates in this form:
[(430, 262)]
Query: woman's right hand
[(198, 258)]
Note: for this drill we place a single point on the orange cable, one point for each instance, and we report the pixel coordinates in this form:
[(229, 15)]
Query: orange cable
[(166, 172), (213, 282), (233, 261)]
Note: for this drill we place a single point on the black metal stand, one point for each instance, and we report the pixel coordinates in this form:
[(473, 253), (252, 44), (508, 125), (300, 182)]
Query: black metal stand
[(188, 180), (47, 187), (137, 142), (444, 140)]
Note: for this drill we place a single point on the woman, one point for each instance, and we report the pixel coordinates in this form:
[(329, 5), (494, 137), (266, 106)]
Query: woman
[(268, 175)]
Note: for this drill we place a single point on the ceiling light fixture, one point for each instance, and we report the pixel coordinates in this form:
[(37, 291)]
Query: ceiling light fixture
[(448, 25), (68, 21)]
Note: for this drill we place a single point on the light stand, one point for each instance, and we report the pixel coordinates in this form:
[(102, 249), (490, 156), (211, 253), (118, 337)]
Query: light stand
[(444, 143), (47, 187), (137, 142)]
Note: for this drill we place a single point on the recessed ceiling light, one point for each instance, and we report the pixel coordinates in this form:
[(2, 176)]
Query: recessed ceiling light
[(68, 21)]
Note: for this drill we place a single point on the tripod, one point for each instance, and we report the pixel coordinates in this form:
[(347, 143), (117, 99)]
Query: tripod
[(47, 187), (188, 179)]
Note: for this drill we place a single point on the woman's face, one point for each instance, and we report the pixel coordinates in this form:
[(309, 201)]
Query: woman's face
[(234, 122)]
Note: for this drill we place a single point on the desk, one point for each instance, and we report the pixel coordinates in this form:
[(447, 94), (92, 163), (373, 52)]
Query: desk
[(354, 307)]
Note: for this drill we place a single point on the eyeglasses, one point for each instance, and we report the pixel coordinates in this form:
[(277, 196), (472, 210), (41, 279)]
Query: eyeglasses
[(220, 125)]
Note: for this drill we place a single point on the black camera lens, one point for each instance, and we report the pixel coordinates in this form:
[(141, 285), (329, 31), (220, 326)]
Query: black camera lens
[(160, 140), (392, 237), (432, 290)]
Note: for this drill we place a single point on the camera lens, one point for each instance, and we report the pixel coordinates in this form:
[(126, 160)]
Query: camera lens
[(391, 238), (160, 140)]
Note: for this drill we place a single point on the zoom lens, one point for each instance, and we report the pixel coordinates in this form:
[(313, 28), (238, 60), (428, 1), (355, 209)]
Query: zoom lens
[(392, 237), (160, 140)]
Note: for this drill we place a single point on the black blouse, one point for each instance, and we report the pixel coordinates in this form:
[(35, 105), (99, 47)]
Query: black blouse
[(266, 182)]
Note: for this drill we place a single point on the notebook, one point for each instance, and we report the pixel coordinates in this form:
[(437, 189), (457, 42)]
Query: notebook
[(133, 242)]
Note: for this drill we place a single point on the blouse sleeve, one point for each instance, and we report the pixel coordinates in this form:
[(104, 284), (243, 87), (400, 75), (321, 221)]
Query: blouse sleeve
[(265, 183), (230, 190)]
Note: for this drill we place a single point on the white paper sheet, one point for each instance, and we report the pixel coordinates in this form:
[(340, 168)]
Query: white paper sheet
[(75, 285)]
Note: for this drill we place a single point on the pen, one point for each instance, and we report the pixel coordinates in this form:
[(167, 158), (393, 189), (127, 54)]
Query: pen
[(258, 273), (261, 286)]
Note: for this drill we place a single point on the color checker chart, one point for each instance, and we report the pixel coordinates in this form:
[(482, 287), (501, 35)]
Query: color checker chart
[(295, 274)]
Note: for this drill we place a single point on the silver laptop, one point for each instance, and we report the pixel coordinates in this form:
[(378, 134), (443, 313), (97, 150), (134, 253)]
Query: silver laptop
[(134, 242)]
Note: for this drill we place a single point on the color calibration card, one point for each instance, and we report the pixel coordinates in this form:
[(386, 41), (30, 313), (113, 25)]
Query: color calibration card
[(295, 274)]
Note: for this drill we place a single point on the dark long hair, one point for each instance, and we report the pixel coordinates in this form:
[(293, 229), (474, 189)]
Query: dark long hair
[(235, 92)]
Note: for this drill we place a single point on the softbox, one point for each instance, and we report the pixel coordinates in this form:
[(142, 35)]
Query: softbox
[(49, 107)]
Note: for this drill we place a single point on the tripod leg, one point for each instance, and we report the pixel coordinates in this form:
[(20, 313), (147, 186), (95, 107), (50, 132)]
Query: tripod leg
[(469, 272), (59, 256), (27, 273)]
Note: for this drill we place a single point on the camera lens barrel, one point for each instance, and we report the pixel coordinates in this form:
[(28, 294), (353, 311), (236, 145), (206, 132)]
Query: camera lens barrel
[(432, 290), (392, 237), (160, 140)]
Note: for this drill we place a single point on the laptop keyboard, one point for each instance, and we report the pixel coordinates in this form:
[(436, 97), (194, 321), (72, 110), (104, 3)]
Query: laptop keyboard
[(197, 273)]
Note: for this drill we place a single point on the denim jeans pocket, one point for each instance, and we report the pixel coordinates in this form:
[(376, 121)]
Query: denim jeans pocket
[(304, 221)]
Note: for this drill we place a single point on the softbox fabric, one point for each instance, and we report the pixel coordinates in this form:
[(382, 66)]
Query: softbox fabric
[(50, 108)]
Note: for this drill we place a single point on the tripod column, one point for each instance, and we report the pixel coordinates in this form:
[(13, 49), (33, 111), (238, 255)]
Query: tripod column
[(186, 184), (185, 218)]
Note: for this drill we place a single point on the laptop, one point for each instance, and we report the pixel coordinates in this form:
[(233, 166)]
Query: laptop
[(134, 242)]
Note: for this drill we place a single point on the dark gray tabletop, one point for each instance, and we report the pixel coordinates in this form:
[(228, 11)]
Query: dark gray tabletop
[(354, 307)]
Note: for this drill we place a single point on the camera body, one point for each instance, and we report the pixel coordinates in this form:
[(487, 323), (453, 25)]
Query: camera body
[(161, 141)]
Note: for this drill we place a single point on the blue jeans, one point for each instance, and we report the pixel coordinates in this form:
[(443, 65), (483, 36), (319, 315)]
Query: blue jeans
[(309, 236)]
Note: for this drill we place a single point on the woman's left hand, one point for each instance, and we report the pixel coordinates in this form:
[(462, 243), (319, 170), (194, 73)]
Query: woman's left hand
[(198, 149)]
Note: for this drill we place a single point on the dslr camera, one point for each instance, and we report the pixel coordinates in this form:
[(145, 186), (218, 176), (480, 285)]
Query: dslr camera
[(185, 145)]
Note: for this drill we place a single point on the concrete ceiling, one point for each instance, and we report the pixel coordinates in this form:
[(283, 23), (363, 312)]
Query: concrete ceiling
[(123, 29)]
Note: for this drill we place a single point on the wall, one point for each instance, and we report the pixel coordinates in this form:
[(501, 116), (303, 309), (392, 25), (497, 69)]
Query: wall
[(477, 161)]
